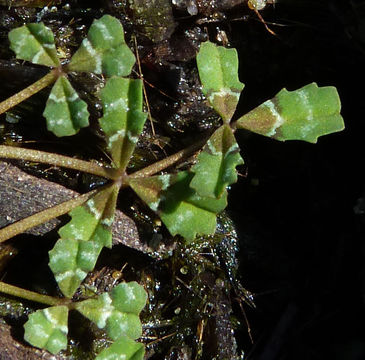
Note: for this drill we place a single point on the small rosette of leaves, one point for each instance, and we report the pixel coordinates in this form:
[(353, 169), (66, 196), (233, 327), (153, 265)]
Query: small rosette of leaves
[(303, 114), (82, 240), (124, 348), (65, 112), (216, 164), (34, 43), (123, 118), (47, 329), (182, 210), (104, 51), (117, 312), (218, 71)]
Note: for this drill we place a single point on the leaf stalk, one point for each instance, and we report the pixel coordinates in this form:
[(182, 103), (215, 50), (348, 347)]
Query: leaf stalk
[(29, 91), (170, 160), (31, 296), (11, 152), (41, 217)]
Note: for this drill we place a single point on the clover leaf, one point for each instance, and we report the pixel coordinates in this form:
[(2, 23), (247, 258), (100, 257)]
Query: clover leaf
[(65, 112), (93, 220), (70, 261), (181, 209), (47, 329), (216, 164), (303, 114), (118, 312), (123, 118), (34, 43), (82, 239), (218, 71), (104, 50)]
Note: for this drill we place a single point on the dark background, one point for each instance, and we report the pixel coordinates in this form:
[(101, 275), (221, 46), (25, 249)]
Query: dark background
[(300, 211)]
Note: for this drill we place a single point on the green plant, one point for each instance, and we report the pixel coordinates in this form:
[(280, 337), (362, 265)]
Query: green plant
[(186, 201), (104, 51)]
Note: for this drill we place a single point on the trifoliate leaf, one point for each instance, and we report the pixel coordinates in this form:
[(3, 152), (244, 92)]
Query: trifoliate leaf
[(118, 312), (92, 221), (123, 118), (124, 348), (104, 50), (181, 209), (82, 240), (218, 71), (34, 43), (216, 165), (303, 114), (47, 329), (71, 260), (65, 112)]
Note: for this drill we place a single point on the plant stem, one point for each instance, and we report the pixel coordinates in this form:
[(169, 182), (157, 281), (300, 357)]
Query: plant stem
[(12, 152), (41, 217), (29, 91), (170, 160), (30, 295)]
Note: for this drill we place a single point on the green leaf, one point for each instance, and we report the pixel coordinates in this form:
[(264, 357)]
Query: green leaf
[(82, 240), (104, 50), (65, 112), (47, 329), (70, 261), (34, 43), (181, 209), (118, 312), (129, 297), (123, 118), (216, 165), (124, 348), (218, 71), (303, 114), (92, 221)]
